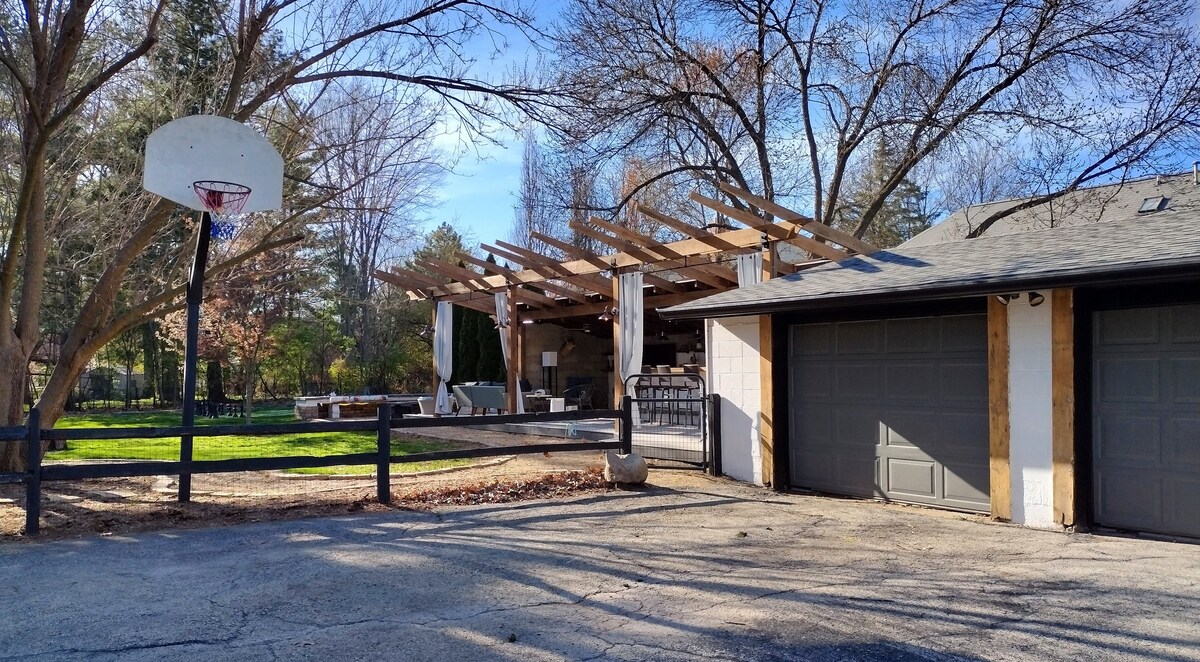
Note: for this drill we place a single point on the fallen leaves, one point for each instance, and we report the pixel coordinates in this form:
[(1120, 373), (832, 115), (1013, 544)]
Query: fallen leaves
[(505, 491)]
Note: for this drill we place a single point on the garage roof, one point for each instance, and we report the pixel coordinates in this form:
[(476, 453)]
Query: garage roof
[(1161, 246)]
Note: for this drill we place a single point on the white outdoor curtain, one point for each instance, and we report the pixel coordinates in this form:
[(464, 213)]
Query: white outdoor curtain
[(443, 353), (749, 268), (502, 322), (631, 317)]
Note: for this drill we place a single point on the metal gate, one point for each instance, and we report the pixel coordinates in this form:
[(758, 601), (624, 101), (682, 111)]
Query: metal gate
[(671, 417)]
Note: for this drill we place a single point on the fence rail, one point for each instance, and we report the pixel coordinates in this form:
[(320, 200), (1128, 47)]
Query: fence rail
[(381, 457)]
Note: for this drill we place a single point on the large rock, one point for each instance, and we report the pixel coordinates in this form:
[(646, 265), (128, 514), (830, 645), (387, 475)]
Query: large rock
[(627, 469)]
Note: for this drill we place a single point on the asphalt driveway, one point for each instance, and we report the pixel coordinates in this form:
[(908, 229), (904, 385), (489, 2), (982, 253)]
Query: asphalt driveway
[(704, 569)]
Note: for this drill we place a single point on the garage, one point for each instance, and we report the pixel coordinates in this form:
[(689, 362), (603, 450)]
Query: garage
[(1146, 419), (891, 408)]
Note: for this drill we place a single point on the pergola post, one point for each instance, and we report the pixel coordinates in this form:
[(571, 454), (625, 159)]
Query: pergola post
[(618, 383), (513, 388)]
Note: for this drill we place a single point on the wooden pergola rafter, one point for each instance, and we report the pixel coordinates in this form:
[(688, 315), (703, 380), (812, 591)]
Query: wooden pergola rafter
[(544, 288)]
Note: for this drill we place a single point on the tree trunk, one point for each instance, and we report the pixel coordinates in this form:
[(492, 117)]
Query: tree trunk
[(12, 387), (212, 378), (251, 370)]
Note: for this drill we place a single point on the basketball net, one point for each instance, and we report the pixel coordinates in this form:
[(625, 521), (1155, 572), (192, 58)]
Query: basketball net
[(223, 200)]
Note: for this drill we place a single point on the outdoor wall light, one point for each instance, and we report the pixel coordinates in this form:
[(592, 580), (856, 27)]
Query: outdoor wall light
[(609, 314), (1005, 298), (1036, 298)]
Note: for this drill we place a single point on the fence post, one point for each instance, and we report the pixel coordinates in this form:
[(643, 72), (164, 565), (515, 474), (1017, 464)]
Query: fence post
[(33, 465), (626, 424), (383, 454), (714, 433)]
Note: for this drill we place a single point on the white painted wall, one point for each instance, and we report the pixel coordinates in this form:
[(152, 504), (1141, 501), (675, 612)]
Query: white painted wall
[(1031, 412), (733, 374)]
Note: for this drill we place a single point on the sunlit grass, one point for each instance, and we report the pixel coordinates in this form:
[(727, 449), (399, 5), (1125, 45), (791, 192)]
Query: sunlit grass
[(238, 446)]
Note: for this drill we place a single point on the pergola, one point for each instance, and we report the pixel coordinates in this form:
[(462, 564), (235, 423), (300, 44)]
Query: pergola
[(585, 284)]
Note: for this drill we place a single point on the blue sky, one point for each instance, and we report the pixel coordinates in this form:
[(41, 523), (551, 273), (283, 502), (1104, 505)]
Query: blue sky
[(478, 197)]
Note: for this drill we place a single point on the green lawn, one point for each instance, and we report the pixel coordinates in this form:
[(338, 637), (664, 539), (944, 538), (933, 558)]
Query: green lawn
[(224, 448)]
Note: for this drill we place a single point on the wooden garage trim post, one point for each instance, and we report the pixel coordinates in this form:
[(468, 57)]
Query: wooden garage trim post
[(998, 410), (1062, 389), (766, 382)]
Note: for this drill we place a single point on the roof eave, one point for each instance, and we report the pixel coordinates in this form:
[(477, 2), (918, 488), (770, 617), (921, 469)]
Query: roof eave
[(1129, 274)]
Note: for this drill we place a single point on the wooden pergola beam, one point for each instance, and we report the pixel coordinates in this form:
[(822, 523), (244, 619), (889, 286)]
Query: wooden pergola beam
[(649, 278), (471, 279), (713, 239), (597, 261), (773, 230), (673, 257), (648, 256), (650, 303), (573, 295), (591, 283), (808, 223), (484, 305)]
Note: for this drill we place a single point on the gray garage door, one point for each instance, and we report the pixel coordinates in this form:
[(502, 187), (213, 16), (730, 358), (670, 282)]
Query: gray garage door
[(894, 408), (1146, 419)]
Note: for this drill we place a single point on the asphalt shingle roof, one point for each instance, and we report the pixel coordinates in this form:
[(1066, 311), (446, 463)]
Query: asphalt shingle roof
[(1167, 242), (1110, 202)]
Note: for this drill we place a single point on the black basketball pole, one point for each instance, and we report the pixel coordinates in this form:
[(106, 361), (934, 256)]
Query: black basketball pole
[(195, 293)]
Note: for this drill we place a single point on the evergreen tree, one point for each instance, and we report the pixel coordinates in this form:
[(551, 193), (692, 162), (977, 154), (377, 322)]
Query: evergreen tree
[(904, 213), (440, 244), (466, 339)]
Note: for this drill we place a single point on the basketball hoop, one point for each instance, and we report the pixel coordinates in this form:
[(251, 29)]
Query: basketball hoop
[(223, 200)]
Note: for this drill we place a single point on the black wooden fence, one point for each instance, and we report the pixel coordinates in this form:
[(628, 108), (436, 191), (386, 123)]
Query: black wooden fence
[(36, 472)]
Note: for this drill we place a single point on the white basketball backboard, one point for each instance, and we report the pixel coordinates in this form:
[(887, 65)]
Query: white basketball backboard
[(208, 147)]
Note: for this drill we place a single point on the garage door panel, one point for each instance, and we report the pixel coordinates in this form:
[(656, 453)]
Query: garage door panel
[(964, 381), (967, 483), (1124, 437), (1185, 324), (816, 425), (1131, 499), (911, 381), (813, 467), (905, 408), (857, 426), (1185, 382), (1128, 380), (860, 475), (1182, 447), (1146, 419), (857, 338), (1127, 327), (914, 478), (959, 429), (812, 340), (914, 335), (1181, 496), (816, 382), (857, 382), (964, 333), (918, 429)]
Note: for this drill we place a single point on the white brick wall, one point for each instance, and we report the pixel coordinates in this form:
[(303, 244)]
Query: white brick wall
[(733, 374), (1030, 412)]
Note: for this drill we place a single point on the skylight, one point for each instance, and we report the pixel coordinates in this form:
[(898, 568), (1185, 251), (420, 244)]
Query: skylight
[(1151, 205)]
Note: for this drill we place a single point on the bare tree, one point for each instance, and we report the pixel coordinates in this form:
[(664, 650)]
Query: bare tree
[(1112, 84), (282, 56)]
